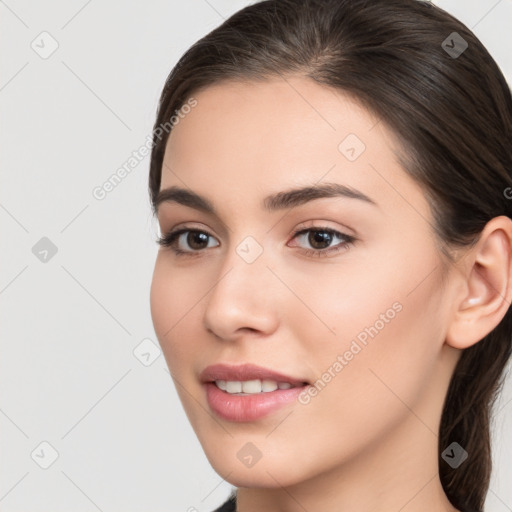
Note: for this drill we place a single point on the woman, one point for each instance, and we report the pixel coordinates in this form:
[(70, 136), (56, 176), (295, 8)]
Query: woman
[(333, 286)]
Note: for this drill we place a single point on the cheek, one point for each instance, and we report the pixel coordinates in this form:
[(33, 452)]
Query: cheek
[(387, 333), (162, 300), (386, 384), (172, 299), (371, 295), (340, 303)]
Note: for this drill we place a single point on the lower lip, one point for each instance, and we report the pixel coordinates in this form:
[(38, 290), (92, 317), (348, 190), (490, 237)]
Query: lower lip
[(248, 407)]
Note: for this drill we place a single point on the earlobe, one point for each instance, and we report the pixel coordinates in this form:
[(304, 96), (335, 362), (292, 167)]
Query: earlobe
[(487, 288)]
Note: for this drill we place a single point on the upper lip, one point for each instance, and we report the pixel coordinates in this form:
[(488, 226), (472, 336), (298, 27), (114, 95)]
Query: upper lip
[(245, 372)]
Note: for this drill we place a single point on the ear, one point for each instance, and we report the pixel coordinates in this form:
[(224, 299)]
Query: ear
[(487, 285)]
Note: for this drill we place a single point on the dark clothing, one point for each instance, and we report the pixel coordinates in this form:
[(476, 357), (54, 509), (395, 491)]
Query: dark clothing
[(230, 505)]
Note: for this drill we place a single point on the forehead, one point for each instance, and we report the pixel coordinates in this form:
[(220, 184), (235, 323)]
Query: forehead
[(260, 137), (271, 113)]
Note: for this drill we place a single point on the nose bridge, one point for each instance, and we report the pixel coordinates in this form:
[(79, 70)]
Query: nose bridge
[(246, 262), (241, 297)]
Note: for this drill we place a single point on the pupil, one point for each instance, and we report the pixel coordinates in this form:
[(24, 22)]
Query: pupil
[(194, 237), (319, 237)]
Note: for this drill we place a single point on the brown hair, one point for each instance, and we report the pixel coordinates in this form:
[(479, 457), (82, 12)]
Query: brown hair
[(452, 114)]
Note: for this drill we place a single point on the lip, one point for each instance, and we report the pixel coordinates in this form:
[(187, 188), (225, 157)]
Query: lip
[(245, 372), (246, 408)]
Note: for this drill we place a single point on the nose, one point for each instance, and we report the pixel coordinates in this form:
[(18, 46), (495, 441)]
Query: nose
[(244, 298)]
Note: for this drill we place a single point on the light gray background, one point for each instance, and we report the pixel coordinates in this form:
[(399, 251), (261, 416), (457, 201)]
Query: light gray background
[(69, 326)]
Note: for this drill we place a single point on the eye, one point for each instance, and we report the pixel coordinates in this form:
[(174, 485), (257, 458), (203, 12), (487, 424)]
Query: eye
[(320, 239), (195, 238)]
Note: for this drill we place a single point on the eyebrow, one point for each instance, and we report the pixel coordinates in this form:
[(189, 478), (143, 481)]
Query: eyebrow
[(279, 201)]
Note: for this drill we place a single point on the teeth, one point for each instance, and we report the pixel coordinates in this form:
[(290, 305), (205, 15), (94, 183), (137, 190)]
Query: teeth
[(269, 385), (251, 387), (221, 384), (233, 386)]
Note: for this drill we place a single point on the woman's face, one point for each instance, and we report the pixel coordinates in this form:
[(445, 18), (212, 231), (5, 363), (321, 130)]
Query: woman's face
[(362, 320)]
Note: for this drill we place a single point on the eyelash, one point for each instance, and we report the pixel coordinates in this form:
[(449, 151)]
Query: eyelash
[(169, 240)]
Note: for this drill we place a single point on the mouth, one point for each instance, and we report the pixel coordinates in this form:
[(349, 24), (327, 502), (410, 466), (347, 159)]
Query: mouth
[(247, 392), (254, 387), (248, 378)]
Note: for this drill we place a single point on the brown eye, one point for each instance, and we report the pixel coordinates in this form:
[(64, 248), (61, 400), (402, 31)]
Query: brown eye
[(321, 238), (195, 239)]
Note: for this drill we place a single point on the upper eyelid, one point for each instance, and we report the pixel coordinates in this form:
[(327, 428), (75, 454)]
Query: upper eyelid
[(344, 229)]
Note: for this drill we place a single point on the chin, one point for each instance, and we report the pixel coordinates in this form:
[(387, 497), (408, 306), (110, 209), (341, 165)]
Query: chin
[(267, 472), (253, 478)]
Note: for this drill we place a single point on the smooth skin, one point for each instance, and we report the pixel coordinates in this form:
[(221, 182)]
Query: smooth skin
[(368, 440)]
